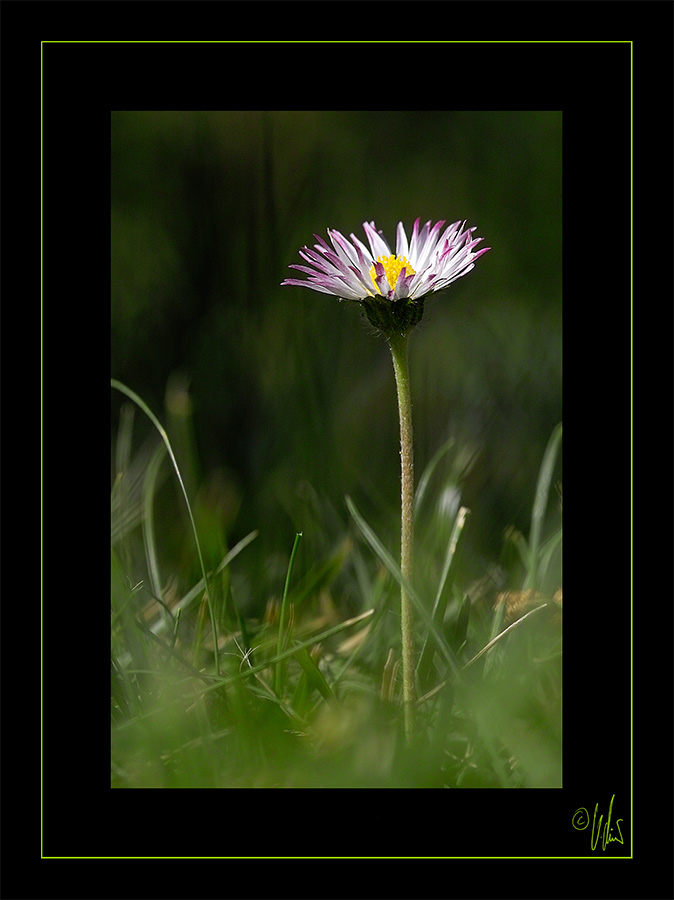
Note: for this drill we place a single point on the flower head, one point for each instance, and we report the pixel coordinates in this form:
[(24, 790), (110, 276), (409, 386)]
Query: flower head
[(377, 278)]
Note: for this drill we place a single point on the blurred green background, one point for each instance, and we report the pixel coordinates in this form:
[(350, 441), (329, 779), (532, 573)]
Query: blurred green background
[(279, 400)]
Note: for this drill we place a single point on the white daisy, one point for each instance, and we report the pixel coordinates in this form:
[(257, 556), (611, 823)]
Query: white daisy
[(428, 262)]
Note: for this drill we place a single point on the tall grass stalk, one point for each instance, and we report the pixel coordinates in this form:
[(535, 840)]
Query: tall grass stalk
[(162, 433), (283, 629)]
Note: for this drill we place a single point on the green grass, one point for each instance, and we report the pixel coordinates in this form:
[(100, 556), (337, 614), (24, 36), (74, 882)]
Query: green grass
[(213, 687)]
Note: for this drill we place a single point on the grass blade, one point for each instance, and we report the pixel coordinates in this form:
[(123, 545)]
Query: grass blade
[(541, 503), (440, 604), (199, 586), (314, 675), (424, 481), (394, 569)]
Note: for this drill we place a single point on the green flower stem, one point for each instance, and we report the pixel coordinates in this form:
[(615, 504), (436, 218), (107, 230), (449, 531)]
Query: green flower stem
[(398, 344)]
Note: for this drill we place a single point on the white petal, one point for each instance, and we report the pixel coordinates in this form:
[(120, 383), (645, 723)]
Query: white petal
[(402, 247), (377, 242)]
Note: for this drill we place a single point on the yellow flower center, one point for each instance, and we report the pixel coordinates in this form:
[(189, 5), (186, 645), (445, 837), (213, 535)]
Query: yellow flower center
[(392, 268)]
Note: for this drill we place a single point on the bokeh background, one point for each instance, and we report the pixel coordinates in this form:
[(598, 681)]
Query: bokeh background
[(280, 401)]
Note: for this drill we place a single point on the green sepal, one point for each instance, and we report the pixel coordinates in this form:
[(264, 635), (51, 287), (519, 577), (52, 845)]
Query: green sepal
[(393, 316)]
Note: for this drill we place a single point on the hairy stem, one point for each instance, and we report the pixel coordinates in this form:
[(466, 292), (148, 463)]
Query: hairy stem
[(398, 344)]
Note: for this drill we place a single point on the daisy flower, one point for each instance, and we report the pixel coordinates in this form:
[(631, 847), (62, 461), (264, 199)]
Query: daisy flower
[(429, 261), (391, 287)]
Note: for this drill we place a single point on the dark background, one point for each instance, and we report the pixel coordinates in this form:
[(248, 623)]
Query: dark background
[(290, 393)]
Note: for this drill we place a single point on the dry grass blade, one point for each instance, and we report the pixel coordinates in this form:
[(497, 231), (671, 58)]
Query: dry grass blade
[(487, 647)]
